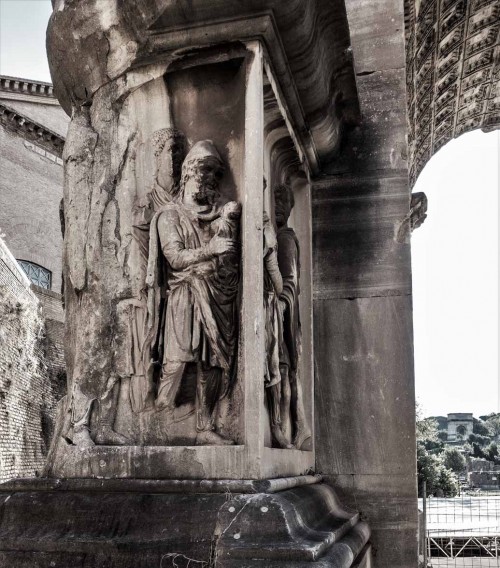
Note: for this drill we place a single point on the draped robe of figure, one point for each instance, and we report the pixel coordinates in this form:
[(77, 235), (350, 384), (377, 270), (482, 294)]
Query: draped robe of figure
[(289, 265), (273, 287), (192, 316), (141, 385)]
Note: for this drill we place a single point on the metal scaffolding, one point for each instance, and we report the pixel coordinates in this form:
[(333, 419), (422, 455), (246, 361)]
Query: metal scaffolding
[(462, 531)]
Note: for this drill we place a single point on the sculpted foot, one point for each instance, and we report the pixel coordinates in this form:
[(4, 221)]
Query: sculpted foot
[(211, 438), (303, 439), (108, 437), (81, 437), (279, 440)]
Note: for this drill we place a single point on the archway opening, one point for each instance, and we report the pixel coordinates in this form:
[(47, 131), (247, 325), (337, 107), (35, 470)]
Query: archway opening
[(455, 279)]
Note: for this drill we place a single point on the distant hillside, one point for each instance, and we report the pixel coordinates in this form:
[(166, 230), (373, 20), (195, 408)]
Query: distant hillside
[(488, 416)]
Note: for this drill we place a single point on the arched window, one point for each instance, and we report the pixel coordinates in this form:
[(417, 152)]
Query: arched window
[(37, 274)]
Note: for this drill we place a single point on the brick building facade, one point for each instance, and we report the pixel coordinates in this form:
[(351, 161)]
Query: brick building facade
[(32, 370), (27, 397), (32, 130)]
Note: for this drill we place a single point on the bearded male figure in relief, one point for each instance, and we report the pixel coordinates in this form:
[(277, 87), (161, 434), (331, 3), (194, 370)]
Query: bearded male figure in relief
[(193, 278)]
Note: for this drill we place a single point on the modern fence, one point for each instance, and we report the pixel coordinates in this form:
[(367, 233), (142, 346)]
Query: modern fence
[(463, 531)]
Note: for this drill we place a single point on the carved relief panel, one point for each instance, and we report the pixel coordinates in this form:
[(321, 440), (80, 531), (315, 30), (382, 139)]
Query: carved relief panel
[(205, 268), (183, 386), (287, 268)]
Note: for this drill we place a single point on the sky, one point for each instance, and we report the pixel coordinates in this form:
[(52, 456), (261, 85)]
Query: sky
[(455, 279), (22, 38), (454, 254)]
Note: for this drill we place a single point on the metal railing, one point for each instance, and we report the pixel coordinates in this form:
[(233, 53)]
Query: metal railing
[(462, 531)]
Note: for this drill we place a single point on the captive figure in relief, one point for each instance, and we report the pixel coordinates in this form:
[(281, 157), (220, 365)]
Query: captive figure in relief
[(273, 315), (194, 254), (169, 146), (288, 249)]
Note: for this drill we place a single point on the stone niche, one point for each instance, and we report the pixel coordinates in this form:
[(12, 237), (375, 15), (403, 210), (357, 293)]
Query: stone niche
[(122, 417)]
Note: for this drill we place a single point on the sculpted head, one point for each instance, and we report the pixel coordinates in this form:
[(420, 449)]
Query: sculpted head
[(202, 171), (169, 148), (284, 202)]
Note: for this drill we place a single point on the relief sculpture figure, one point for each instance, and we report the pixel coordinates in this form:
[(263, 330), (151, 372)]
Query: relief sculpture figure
[(169, 145), (292, 403), (273, 287), (90, 408), (101, 407), (169, 151), (193, 279)]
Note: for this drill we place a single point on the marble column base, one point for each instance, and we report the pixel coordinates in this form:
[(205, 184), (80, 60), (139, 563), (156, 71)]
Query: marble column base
[(90, 523)]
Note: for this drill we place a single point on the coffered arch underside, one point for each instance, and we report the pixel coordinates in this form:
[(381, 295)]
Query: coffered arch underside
[(453, 73)]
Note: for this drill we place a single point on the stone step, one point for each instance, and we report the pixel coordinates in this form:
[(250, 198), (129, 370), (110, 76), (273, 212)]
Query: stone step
[(97, 527)]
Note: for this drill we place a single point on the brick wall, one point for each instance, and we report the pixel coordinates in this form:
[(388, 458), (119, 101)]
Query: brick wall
[(53, 347), (27, 395), (51, 303)]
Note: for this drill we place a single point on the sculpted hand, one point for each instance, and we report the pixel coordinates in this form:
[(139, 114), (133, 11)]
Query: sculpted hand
[(222, 245)]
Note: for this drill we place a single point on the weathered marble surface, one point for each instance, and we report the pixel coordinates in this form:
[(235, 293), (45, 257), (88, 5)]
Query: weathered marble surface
[(118, 419), (362, 270)]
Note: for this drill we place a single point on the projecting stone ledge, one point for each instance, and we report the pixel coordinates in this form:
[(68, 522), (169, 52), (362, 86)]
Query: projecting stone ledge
[(142, 524)]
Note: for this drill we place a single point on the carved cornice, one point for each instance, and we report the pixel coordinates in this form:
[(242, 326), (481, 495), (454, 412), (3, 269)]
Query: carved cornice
[(307, 43), (14, 121), (27, 90), (26, 86), (453, 73)]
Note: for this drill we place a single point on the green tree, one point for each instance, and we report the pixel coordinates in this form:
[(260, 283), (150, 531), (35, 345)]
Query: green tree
[(434, 447), (477, 451), (492, 452), (447, 482), (430, 466), (454, 460), (427, 428), (485, 417), (478, 439), (443, 435), (427, 470), (441, 481), (480, 427), (493, 424), (467, 448)]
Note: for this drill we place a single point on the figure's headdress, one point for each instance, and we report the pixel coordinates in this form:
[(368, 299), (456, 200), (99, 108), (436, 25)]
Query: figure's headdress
[(202, 151)]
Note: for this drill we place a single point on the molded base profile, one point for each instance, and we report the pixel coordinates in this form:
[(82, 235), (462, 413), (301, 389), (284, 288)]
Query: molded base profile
[(291, 522)]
